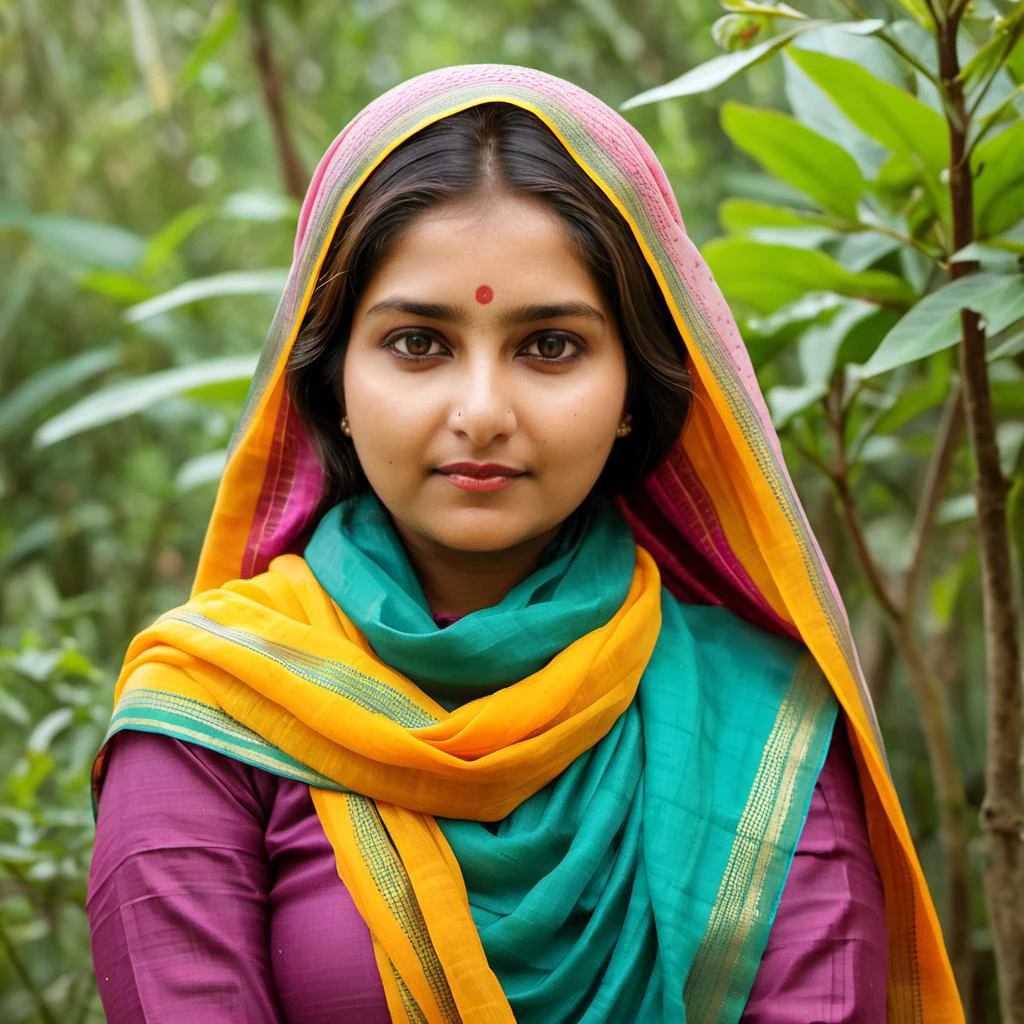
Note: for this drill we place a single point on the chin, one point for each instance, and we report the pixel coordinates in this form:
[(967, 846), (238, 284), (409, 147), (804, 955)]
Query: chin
[(487, 530)]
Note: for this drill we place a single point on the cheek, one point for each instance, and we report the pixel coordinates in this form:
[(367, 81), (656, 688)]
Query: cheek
[(581, 422), (378, 399)]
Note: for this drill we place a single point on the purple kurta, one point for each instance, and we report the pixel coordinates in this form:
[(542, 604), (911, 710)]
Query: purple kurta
[(214, 897)]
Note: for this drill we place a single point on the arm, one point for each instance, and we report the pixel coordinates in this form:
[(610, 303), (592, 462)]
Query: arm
[(177, 895), (827, 955)]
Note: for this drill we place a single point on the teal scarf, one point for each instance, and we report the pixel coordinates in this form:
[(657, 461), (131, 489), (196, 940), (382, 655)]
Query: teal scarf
[(641, 884)]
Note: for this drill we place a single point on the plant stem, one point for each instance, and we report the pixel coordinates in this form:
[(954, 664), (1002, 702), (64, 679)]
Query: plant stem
[(893, 44), (1002, 812), (935, 480), (931, 703), (295, 177)]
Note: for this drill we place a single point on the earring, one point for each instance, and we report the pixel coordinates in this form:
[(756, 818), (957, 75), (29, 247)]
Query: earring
[(625, 427), (345, 427)]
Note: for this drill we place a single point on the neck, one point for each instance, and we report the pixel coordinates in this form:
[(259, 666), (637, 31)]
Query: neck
[(459, 582)]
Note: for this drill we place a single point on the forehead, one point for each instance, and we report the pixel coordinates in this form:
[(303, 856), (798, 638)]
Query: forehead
[(512, 244)]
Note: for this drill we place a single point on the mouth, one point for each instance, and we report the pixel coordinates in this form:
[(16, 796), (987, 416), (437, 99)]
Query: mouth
[(480, 477)]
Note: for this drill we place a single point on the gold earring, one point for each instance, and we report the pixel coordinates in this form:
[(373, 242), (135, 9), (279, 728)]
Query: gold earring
[(625, 427), (345, 427)]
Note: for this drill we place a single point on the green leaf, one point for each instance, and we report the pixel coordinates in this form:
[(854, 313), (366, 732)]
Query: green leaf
[(1012, 346), (716, 71), (114, 284), (719, 70), (132, 396), (162, 245), (243, 282), (892, 116), (48, 729), (76, 241), (799, 156), (766, 277), (1008, 399), (820, 344), (998, 166), (934, 323), (261, 206), (991, 257), (740, 215), (918, 10), (203, 469), (218, 31), (17, 409), (787, 402)]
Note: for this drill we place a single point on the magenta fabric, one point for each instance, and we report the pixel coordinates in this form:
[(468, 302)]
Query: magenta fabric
[(214, 897)]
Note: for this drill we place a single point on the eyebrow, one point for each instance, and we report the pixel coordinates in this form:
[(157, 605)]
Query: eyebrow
[(511, 317)]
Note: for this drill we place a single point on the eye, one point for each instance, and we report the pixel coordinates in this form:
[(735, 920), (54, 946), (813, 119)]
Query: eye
[(552, 348), (413, 345)]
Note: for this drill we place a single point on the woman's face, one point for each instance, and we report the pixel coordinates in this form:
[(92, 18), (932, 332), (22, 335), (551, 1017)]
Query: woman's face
[(483, 341)]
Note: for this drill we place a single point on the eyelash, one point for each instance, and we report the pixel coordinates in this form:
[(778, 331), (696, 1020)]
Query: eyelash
[(391, 343)]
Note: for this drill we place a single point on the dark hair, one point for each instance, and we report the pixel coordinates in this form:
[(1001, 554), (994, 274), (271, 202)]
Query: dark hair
[(492, 147)]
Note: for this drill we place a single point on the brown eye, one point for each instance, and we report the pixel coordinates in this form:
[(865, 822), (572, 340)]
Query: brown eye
[(413, 345), (554, 348), (550, 346)]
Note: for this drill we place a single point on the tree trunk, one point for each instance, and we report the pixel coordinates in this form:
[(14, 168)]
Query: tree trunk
[(295, 177), (1002, 812)]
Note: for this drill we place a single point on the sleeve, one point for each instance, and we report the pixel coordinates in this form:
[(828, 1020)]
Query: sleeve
[(177, 889), (827, 955)]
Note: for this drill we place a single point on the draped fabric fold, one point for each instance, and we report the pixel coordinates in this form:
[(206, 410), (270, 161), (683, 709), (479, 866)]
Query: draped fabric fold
[(693, 626), (615, 888)]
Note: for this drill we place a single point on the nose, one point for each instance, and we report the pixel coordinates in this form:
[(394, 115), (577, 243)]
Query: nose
[(482, 409)]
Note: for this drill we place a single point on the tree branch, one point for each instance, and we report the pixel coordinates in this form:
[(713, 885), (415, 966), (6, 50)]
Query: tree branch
[(295, 177), (935, 480), (931, 703)]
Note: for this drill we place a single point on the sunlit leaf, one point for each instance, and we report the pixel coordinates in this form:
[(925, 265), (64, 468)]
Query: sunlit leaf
[(48, 729), (78, 242), (17, 409), (796, 154), (260, 206), (216, 34), (740, 215), (898, 120), (918, 10), (716, 71), (766, 277), (934, 323), (787, 402), (998, 165), (203, 469), (169, 238), (241, 282), (131, 396)]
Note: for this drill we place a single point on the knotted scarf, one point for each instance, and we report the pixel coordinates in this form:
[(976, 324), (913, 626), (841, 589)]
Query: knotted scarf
[(649, 765)]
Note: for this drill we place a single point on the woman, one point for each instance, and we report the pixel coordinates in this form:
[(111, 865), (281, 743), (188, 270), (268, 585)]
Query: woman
[(513, 685)]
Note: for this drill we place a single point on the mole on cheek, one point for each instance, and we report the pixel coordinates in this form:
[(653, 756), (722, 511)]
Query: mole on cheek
[(484, 294)]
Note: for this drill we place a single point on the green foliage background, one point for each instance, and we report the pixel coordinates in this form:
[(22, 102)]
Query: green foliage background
[(146, 231)]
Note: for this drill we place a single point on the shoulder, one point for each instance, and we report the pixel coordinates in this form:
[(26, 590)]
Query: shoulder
[(170, 776)]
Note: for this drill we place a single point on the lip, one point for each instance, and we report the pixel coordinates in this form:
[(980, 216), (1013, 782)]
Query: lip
[(478, 469), (480, 477)]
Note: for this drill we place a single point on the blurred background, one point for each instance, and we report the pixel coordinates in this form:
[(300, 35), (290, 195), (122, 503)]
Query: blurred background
[(152, 161)]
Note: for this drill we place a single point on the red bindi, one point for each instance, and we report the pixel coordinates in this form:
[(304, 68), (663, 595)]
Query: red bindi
[(484, 294)]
